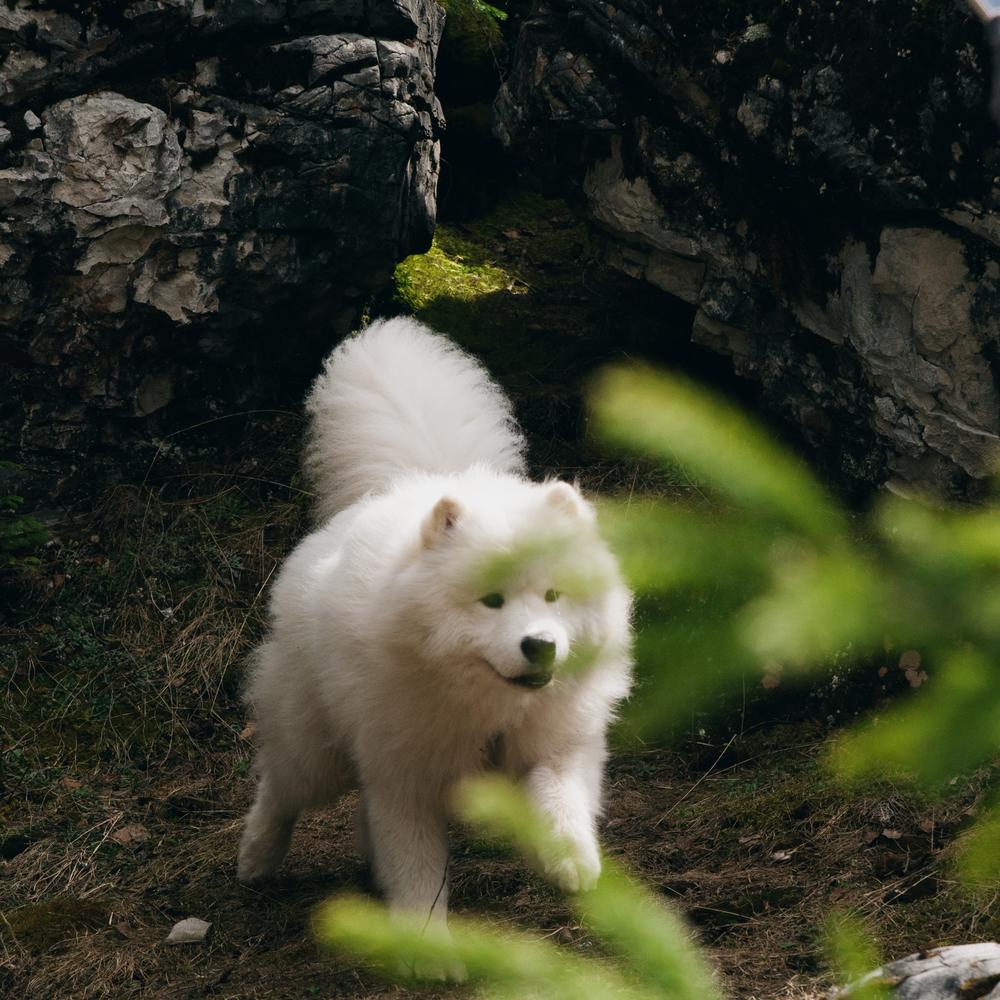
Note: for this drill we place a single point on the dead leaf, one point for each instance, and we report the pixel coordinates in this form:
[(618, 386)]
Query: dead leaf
[(927, 825), (916, 677), (512, 234), (71, 783), (882, 671), (248, 730), (132, 833), (891, 834), (910, 659), (783, 855), (58, 580), (870, 836)]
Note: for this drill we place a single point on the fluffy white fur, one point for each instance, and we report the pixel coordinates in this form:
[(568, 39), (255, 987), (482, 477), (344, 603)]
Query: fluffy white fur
[(384, 670), (398, 400)]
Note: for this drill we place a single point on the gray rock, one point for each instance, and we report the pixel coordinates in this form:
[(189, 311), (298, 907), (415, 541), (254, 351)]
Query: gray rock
[(191, 930), (953, 973), (195, 201), (828, 208)]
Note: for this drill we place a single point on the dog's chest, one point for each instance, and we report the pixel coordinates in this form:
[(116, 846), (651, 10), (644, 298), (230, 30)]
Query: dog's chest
[(494, 753)]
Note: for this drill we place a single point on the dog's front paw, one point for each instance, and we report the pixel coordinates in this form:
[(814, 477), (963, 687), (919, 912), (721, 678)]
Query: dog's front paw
[(261, 854), (574, 867), (253, 867)]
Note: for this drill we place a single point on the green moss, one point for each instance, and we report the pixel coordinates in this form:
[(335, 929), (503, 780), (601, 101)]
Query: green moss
[(452, 270), (471, 32), (40, 926), (471, 53), (488, 282)]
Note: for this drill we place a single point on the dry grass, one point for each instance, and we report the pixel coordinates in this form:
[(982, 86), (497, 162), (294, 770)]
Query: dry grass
[(126, 772), (126, 754)]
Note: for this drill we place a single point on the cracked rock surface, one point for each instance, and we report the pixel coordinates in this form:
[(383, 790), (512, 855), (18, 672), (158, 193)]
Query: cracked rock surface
[(819, 181), (195, 201), (960, 972)]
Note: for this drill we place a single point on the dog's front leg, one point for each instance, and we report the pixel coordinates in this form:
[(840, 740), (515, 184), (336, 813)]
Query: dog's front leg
[(408, 844), (568, 795)]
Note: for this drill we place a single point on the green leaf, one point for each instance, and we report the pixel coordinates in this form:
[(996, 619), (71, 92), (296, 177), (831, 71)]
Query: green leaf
[(654, 940), (854, 958), (651, 938), (664, 546), (503, 812), (674, 420), (951, 725), (683, 664), (820, 605), (979, 854), (512, 963)]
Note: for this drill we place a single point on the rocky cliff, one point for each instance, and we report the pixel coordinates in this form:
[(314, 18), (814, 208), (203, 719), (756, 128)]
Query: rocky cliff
[(819, 180), (195, 199)]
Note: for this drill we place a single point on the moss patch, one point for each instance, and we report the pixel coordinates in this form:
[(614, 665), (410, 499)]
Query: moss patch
[(454, 270)]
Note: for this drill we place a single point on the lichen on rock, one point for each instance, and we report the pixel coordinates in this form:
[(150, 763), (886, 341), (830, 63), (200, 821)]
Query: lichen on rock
[(820, 181), (196, 201)]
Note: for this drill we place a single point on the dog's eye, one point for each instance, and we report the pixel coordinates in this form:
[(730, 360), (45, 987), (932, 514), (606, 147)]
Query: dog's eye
[(492, 600), (551, 595)]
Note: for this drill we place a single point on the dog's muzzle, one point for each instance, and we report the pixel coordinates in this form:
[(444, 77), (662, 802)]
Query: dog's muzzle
[(540, 652)]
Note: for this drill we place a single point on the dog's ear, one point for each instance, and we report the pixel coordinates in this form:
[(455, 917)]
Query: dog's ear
[(567, 498), (442, 519)]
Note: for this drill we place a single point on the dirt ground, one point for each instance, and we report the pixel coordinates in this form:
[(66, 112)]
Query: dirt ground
[(126, 770), (126, 751)]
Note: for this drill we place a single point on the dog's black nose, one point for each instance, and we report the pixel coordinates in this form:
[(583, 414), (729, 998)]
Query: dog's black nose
[(539, 650)]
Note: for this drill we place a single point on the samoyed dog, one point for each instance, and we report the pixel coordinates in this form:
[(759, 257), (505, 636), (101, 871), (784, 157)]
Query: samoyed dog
[(447, 616)]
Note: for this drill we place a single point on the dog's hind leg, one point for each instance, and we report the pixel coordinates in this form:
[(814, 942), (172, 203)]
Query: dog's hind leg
[(267, 832)]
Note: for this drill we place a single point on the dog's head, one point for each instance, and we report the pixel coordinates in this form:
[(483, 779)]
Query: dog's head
[(515, 580)]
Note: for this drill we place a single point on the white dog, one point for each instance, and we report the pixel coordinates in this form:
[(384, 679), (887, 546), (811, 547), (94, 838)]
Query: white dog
[(448, 616)]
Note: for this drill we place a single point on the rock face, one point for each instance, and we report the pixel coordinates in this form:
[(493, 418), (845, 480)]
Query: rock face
[(819, 181), (195, 200), (953, 973)]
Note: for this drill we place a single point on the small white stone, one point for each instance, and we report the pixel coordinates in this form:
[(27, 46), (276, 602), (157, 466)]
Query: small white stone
[(189, 931), (32, 121)]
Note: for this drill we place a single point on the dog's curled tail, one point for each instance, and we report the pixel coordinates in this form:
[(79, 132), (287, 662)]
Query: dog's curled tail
[(398, 398)]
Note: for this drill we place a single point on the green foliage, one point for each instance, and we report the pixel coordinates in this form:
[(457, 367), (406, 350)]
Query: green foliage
[(453, 270), (649, 939), (19, 534), (856, 961), (673, 420), (472, 33), (773, 573)]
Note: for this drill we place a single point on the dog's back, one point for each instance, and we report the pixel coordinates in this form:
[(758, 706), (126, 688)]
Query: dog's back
[(398, 398)]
